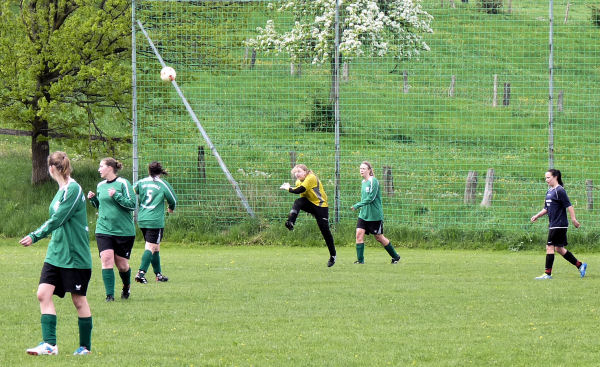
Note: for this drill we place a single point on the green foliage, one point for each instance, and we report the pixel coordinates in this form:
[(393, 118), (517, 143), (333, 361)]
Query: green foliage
[(595, 14), (210, 50), (320, 117), (491, 6), (70, 73), (281, 306)]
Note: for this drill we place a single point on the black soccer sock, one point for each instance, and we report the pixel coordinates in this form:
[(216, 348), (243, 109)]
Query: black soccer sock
[(571, 258), (549, 263)]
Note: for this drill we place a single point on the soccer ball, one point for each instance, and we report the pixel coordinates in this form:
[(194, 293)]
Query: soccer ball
[(167, 74)]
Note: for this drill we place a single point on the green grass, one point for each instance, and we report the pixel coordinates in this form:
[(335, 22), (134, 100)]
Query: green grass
[(281, 306)]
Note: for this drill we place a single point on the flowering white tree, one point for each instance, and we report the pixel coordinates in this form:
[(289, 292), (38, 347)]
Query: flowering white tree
[(373, 27)]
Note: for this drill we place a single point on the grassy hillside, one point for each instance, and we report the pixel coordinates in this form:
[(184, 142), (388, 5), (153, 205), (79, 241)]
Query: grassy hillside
[(256, 116)]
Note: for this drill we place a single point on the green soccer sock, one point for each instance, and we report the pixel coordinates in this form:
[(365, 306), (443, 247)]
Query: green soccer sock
[(126, 277), (360, 252), (391, 250), (108, 277), (49, 328), (85, 332), (146, 258), (156, 263)]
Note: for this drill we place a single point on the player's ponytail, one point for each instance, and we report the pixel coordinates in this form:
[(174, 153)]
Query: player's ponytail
[(155, 169), (556, 173), (61, 162), (115, 164), (366, 163)]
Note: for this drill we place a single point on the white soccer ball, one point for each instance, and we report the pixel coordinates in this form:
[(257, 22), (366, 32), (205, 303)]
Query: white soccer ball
[(167, 74)]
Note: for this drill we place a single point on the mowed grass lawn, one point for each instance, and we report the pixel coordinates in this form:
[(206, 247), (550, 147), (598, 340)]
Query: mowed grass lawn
[(281, 306)]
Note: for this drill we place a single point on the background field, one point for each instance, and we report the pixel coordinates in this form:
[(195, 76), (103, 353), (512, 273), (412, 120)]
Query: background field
[(256, 115), (281, 306)]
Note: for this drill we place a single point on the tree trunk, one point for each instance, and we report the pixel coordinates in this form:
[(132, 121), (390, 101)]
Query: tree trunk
[(40, 150)]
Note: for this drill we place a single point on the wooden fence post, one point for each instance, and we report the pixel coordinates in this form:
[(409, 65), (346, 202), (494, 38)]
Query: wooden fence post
[(495, 96), (506, 100), (388, 181), (295, 69), (567, 12), (589, 190), (253, 59), (560, 100), (201, 163), (345, 72), (451, 90), (470, 187), (488, 193), (406, 86), (293, 163)]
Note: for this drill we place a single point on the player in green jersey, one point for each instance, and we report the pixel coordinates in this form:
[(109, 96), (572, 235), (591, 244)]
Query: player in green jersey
[(115, 230), (68, 263), (370, 218), (313, 200), (152, 192)]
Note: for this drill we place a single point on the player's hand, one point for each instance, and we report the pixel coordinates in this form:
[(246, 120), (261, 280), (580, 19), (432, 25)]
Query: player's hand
[(170, 210), (26, 241), (352, 208), (285, 186), (91, 194), (576, 223), (111, 192), (534, 218)]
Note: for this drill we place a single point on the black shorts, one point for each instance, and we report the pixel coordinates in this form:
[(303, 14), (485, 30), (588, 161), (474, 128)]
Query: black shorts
[(370, 227), (121, 245), (74, 281), (152, 235), (557, 237)]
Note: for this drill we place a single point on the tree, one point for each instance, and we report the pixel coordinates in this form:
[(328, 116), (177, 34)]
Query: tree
[(374, 27), (65, 69)]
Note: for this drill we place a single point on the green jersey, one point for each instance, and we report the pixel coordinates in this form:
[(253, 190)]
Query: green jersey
[(370, 201), (70, 243), (153, 192), (115, 214)]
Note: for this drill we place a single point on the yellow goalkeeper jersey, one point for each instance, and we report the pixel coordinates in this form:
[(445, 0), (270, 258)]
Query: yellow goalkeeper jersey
[(314, 190)]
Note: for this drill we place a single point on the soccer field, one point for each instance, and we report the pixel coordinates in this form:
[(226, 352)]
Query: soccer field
[(281, 306)]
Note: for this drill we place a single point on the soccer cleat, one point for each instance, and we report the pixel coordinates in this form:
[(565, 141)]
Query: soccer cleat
[(125, 292), (81, 351), (43, 349), (140, 278), (395, 260), (110, 298), (582, 269), (289, 225), (161, 278), (331, 262), (544, 277), (359, 262)]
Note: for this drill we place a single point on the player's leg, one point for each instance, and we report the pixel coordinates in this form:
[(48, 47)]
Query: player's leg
[(299, 204), (47, 320), (387, 244), (123, 247), (549, 262), (76, 282), (568, 255), (155, 249), (107, 258), (322, 217), (360, 243)]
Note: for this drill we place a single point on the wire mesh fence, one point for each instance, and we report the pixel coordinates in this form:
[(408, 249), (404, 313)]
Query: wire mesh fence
[(459, 105)]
